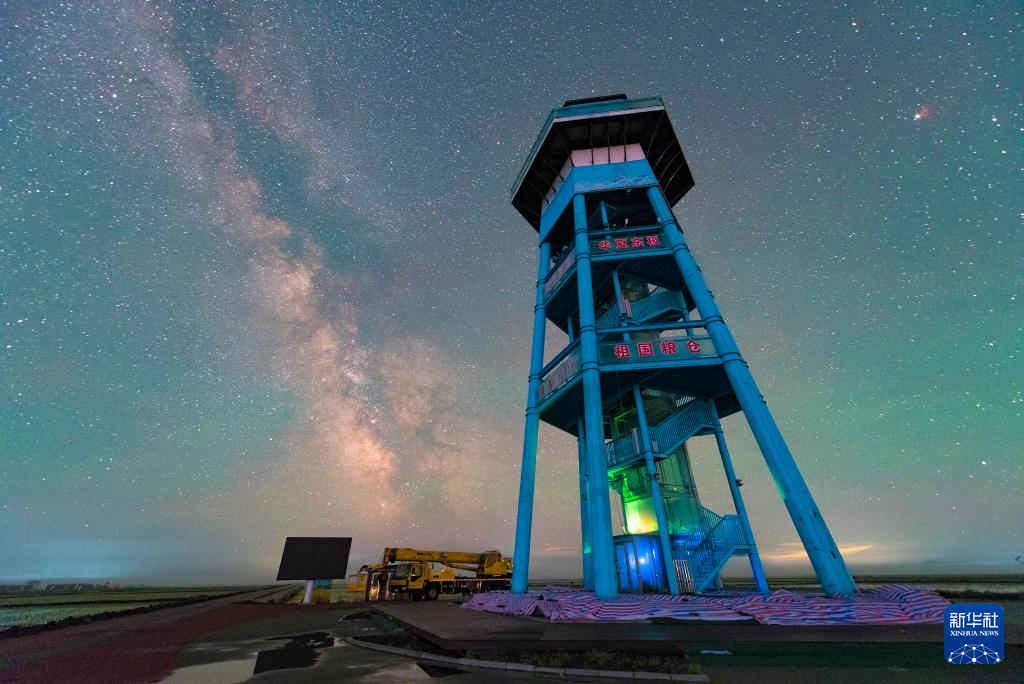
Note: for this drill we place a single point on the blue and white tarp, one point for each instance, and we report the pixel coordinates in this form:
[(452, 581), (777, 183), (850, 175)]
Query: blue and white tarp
[(894, 604)]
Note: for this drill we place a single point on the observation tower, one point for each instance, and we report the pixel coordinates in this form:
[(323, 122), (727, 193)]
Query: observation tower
[(649, 363)]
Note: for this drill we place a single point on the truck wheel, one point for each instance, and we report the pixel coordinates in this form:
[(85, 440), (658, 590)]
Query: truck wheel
[(432, 592)]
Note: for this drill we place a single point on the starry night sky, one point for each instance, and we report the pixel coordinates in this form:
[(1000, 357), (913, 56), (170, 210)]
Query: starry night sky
[(259, 273)]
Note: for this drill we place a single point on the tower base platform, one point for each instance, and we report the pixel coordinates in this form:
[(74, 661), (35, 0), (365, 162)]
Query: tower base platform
[(732, 651)]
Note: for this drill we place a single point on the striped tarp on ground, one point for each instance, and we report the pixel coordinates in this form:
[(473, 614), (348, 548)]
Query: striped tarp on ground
[(894, 604)]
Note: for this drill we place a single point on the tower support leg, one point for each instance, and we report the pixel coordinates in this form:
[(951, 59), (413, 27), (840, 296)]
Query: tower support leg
[(821, 548), (737, 500), (602, 549), (659, 504), (588, 570), (528, 472)]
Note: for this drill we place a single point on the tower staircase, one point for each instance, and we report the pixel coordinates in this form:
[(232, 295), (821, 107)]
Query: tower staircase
[(701, 556), (661, 304), (692, 418)]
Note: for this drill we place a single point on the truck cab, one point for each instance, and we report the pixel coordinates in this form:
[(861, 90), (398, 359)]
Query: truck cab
[(418, 580)]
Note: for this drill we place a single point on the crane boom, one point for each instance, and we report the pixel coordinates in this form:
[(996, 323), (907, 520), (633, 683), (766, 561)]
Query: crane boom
[(488, 563)]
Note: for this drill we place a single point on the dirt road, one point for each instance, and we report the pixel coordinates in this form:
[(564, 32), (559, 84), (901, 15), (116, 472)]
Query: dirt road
[(133, 648)]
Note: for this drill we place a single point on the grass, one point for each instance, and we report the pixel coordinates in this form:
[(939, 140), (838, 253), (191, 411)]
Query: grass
[(338, 594), (41, 615), (34, 610), (52, 598)]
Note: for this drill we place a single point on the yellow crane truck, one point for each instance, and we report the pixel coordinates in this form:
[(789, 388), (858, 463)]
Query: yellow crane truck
[(424, 575)]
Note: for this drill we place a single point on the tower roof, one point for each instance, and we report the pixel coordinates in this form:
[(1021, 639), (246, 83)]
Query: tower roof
[(601, 122)]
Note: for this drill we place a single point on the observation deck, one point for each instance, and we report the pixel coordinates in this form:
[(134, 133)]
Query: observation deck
[(613, 121)]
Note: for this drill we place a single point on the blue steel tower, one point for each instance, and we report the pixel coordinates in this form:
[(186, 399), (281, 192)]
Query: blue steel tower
[(649, 362)]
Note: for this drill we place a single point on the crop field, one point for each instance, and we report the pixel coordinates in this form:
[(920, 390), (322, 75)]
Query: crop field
[(23, 609), (40, 615)]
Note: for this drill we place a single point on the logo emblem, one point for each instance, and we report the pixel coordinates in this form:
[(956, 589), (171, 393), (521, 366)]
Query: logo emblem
[(974, 634)]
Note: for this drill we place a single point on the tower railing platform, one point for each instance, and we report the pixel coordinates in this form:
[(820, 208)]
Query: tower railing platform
[(698, 373), (684, 365), (642, 252)]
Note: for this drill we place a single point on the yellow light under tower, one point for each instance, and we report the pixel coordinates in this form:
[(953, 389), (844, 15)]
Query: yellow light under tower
[(640, 518)]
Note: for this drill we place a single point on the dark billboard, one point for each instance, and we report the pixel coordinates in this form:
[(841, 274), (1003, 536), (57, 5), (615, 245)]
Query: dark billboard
[(309, 558)]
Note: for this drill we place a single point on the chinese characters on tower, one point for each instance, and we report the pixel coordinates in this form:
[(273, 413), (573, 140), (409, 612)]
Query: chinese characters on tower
[(625, 244), (644, 351)]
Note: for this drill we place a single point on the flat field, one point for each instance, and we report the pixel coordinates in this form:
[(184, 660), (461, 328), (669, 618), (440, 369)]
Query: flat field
[(27, 608)]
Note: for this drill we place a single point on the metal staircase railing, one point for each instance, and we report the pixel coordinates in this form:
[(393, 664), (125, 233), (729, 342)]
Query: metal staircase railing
[(624, 448), (558, 273), (670, 433), (657, 303), (666, 436), (701, 557)]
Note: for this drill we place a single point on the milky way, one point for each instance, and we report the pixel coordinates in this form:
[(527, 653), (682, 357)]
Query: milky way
[(259, 274)]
